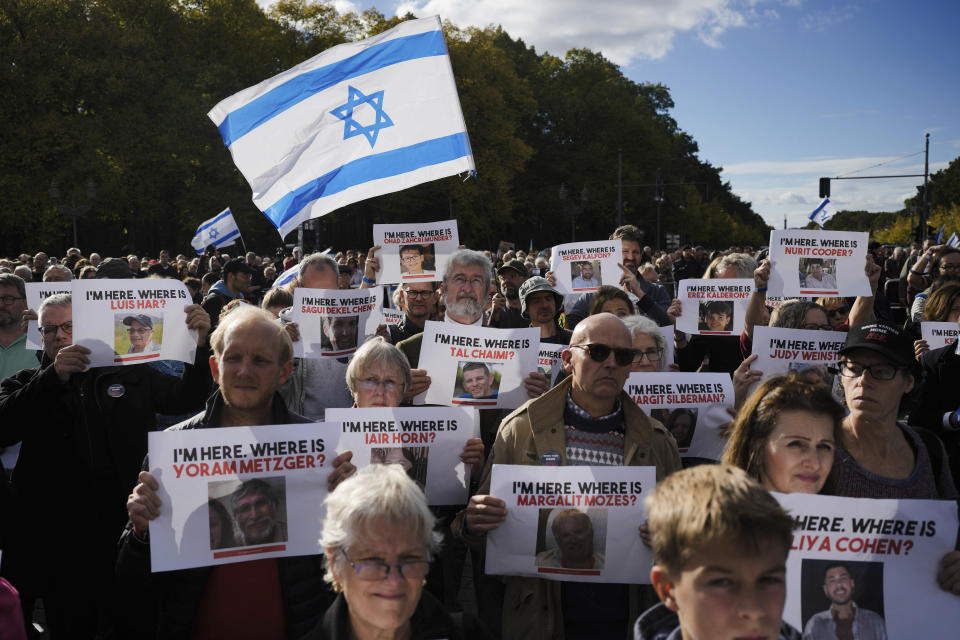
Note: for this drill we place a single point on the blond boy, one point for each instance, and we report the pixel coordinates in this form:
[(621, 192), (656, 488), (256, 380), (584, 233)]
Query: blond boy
[(720, 545)]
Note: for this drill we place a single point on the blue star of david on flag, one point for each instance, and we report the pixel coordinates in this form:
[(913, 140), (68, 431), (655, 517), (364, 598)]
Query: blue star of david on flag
[(351, 127), (213, 234)]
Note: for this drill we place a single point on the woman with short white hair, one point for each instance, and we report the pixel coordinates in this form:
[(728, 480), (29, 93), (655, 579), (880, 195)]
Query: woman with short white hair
[(378, 539)]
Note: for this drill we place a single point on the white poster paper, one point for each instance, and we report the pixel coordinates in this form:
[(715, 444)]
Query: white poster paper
[(414, 252), (817, 263), (668, 344), (713, 307), (478, 366), (239, 493), (581, 267), (133, 321), (939, 334), (335, 322), (551, 512), (807, 352), (692, 406), (392, 317), (548, 360), (881, 555), (427, 441), (37, 292)]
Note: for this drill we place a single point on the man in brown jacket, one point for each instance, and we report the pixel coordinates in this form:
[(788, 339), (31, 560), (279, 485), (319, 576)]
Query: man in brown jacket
[(586, 420)]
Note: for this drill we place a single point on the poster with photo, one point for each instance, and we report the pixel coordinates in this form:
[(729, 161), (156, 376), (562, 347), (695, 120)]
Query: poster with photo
[(817, 263), (126, 322), (879, 556), (239, 493), (335, 322), (548, 360), (414, 252), (692, 406), (807, 352), (37, 292), (427, 441), (713, 307), (581, 267), (575, 524), (477, 366), (939, 334)]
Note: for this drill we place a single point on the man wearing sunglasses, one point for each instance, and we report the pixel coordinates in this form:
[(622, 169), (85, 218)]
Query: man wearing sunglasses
[(587, 419)]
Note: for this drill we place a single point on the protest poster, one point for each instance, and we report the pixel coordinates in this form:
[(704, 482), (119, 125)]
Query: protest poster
[(477, 366), (392, 317), (810, 353), (571, 523), (548, 360), (939, 334), (691, 405), (414, 252), (427, 441), (335, 322), (817, 263), (37, 292), (581, 267), (880, 555), (126, 322), (713, 307), (239, 493)]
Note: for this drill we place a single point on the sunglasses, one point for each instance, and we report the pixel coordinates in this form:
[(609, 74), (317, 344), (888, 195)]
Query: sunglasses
[(600, 353), (838, 311)]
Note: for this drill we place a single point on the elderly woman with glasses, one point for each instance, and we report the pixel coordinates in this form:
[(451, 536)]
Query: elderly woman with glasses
[(649, 343), (379, 376), (880, 457), (378, 539)]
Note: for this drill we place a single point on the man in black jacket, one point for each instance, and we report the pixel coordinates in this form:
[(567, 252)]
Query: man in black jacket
[(252, 357), (93, 423), (936, 406)]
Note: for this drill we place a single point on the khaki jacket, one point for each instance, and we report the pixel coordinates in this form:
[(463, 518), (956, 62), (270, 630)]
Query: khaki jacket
[(532, 606)]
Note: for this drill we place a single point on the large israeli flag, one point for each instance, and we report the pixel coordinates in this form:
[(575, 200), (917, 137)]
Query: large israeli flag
[(219, 231), (359, 120), (823, 213)]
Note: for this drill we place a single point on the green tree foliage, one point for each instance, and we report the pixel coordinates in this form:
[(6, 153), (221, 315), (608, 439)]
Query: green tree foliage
[(117, 91)]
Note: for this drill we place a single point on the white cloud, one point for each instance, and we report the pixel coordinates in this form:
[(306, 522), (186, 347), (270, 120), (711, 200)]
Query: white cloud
[(823, 20), (819, 166), (622, 30)]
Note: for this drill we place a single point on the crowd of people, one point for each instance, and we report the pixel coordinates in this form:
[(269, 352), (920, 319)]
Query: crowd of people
[(74, 442)]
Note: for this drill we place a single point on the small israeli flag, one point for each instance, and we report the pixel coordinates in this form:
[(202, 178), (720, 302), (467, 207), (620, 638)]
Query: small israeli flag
[(286, 276), (953, 240), (219, 231), (823, 213), (940, 234)]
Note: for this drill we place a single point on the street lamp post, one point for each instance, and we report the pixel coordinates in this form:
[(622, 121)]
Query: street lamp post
[(71, 209)]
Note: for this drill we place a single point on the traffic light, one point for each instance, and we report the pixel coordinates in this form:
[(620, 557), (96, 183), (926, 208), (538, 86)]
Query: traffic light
[(824, 187)]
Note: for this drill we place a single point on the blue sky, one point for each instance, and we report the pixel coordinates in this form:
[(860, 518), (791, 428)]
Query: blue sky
[(777, 92)]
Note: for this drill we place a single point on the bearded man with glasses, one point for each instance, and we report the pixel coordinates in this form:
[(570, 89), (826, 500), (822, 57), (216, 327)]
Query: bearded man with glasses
[(587, 419)]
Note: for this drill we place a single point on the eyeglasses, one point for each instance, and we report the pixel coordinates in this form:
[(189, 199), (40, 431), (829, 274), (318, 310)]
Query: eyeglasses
[(653, 355), (849, 369), (408, 569), (417, 294), (812, 326), (9, 300), (409, 258), (50, 329), (838, 311), (371, 384), (141, 330), (476, 282), (600, 353)]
